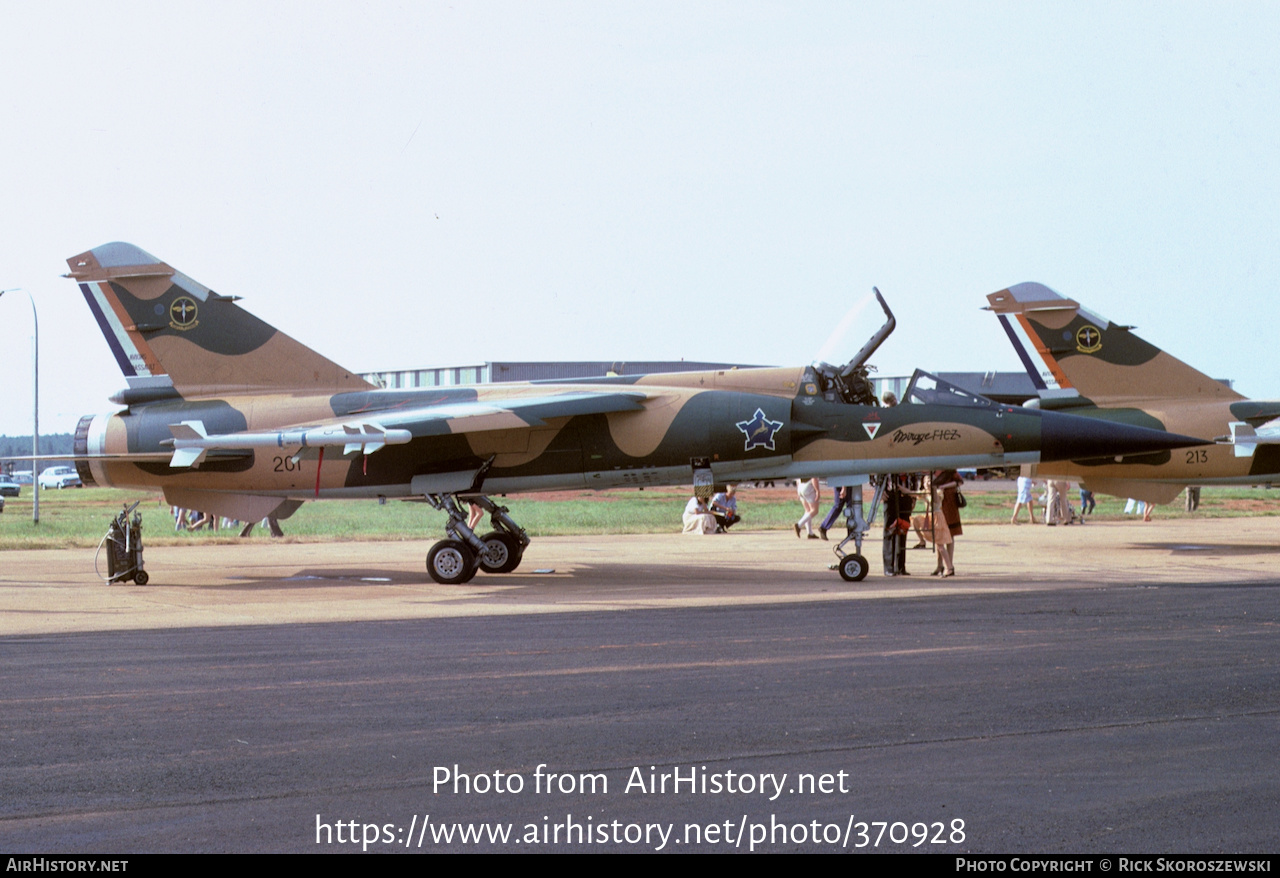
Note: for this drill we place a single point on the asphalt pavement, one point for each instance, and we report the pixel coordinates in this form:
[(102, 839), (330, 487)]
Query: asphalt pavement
[(1107, 688)]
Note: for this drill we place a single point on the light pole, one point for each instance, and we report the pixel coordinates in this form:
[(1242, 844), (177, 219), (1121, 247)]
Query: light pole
[(35, 405)]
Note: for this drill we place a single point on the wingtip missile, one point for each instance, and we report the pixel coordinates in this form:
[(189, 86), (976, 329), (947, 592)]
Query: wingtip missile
[(191, 441)]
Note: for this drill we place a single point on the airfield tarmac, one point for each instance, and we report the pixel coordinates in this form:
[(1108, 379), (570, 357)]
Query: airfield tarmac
[(1101, 688)]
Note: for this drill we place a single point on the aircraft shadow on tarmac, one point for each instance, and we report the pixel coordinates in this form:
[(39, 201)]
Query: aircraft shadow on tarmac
[(601, 578), (1207, 549), (329, 577)]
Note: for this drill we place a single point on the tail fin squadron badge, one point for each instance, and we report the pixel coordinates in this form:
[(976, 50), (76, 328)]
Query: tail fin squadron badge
[(1088, 340), (182, 313), (759, 431)]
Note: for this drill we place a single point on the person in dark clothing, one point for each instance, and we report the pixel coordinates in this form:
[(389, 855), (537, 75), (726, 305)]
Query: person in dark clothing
[(898, 505), (1088, 503)]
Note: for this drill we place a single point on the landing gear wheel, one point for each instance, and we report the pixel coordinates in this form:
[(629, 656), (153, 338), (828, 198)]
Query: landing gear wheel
[(141, 577), (502, 553), (853, 568), (451, 562)]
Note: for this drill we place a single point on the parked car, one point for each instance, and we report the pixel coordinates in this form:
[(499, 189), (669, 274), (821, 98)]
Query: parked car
[(60, 477), (9, 488)]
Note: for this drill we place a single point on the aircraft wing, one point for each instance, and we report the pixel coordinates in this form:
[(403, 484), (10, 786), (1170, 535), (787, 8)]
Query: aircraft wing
[(512, 412), (369, 430), (1256, 412)]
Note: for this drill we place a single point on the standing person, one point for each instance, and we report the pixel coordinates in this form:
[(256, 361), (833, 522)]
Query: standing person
[(844, 500), (898, 505), (724, 506), (809, 497), (1025, 486), (1060, 502), (1053, 502), (946, 519), (1087, 503)]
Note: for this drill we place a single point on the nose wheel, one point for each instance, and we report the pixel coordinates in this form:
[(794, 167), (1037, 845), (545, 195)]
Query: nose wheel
[(853, 568)]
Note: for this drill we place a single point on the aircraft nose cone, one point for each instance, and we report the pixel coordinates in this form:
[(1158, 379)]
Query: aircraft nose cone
[(1072, 437)]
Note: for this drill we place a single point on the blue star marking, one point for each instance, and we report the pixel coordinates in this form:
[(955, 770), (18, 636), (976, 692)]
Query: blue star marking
[(759, 431)]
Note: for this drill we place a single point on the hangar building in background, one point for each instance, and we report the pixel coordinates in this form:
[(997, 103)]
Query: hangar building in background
[(1013, 388), (492, 373)]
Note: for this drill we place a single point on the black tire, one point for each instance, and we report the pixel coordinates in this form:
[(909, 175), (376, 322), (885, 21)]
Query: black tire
[(141, 577), (853, 568), (502, 553), (451, 562)]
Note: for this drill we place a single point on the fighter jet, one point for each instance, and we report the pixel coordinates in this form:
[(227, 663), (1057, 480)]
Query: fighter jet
[(1085, 365), (228, 415)]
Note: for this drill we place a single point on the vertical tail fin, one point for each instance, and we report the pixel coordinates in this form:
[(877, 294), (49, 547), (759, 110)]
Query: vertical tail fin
[(172, 335), (1068, 351)]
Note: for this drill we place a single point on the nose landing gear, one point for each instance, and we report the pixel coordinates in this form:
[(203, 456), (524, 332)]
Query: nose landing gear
[(853, 566)]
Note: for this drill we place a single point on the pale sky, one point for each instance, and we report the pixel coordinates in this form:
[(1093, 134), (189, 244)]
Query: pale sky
[(411, 184)]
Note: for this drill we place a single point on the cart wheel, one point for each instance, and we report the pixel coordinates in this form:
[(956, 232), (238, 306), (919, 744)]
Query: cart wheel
[(853, 568), (141, 577)]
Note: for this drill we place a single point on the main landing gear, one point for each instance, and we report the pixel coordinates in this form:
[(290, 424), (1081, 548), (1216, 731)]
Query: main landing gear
[(456, 560)]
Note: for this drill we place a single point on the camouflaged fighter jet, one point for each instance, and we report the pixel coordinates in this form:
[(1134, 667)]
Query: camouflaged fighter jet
[(1083, 364), (230, 416)]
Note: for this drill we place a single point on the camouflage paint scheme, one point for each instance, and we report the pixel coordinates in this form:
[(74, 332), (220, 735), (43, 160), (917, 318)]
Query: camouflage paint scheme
[(262, 418), (1085, 365)]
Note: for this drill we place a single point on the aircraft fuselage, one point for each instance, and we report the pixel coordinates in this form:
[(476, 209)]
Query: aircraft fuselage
[(1205, 465), (743, 435)]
